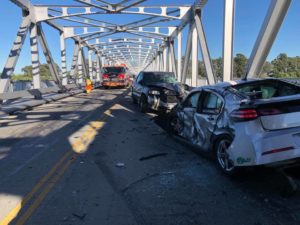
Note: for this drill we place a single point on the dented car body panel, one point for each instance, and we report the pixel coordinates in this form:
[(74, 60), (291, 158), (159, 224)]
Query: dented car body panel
[(160, 90), (264, 126)]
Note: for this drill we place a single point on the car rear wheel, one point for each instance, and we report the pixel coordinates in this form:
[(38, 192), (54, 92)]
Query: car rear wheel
[(222, 157), (143, 104)]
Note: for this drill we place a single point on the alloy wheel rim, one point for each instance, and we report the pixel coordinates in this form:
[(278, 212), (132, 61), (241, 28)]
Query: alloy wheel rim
[(223, 157)]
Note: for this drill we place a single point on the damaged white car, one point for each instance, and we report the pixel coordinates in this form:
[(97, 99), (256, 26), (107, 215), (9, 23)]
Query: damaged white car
[(245, 123)]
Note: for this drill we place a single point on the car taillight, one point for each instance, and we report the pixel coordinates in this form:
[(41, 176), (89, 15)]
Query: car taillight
[(269, 111), (121, 76), (244, 114), (105, 76)]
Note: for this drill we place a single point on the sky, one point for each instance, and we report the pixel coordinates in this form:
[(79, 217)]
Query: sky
[(249, 18)]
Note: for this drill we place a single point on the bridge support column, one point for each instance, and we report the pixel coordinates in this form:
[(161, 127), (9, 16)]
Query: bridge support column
[(48, 55), (15, 51), (63, 55), (211, 79), (90, 58), (165, 56), (80, 68), (187, 53), (98, 68), (195, 69), (170, 68), (173, 59), (269, 30), (179, 56), (160, 62), (75, 59), (157, 63), (35, 57), (84, 66), (229, 11)]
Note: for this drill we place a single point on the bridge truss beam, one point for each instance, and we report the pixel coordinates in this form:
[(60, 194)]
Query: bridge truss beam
[(148, 43)]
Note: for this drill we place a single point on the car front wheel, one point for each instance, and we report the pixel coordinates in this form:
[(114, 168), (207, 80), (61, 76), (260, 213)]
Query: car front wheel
[(143, 104), (133, 98)]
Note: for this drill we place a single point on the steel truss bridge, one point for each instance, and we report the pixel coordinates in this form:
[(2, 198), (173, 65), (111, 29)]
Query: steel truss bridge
[(147, 43)]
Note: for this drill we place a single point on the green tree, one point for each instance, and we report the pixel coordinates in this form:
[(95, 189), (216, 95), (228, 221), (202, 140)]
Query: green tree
[(267, 69), (281, 64), (287, 67), (44, 72), (240, 62), (218, 67)]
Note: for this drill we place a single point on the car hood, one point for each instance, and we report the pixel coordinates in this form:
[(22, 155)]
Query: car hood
[(170, 86)]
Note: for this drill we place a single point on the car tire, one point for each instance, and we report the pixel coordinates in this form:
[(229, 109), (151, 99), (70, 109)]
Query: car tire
[(133, 99), (143, 103), (221, 156), (174, 126)]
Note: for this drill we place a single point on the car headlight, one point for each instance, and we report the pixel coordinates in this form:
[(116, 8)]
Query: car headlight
[(154, 92)]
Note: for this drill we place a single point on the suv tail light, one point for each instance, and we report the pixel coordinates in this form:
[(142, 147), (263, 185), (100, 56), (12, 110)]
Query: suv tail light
[(244, 114), (121, 76)]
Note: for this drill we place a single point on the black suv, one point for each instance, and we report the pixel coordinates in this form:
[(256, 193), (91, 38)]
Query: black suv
[(158, 91)]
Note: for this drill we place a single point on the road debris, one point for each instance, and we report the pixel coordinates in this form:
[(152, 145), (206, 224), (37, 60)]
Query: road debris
[(81, 217), (153, 156), (120, 165)]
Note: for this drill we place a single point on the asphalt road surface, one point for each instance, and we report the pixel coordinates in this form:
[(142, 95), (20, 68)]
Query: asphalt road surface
[(96, 160)]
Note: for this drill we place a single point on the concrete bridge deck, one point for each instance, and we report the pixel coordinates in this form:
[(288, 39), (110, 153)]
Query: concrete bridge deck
[(87, 159)]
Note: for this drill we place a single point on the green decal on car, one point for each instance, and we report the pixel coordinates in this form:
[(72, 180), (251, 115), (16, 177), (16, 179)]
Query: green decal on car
[(241, 160)]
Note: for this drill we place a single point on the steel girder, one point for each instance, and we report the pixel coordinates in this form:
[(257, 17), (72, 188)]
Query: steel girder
[(148, 42), (269, 30)]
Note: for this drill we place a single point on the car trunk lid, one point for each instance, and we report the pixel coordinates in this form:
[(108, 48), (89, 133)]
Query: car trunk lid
[(279, 113)]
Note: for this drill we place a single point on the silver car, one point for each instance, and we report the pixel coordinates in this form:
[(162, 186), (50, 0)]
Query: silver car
[(243, 123)]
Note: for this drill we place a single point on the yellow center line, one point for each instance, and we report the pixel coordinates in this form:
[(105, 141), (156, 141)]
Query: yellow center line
[(43, 194), (16, 210), (77, 147)]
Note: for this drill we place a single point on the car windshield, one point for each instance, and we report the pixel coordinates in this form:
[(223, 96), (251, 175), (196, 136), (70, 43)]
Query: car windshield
[(159, 78), (113, 69), (266, 89)]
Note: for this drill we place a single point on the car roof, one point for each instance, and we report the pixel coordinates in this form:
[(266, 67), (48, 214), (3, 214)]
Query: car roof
[(157, 72), (221, 86)]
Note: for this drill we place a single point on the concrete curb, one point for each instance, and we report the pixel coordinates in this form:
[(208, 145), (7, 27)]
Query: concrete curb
[(11, 109)]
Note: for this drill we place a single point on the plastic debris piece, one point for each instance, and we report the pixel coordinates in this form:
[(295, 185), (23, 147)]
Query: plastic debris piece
[(120, 165)]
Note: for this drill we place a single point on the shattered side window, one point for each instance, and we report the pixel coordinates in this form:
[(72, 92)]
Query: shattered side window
[(267, 89), (212, 104), (192, 100)]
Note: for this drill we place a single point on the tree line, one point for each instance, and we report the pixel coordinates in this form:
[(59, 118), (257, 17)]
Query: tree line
[(282, 66)]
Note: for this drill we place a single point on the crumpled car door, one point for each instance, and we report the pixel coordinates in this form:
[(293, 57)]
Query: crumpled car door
[(205, 119), (188, 122)]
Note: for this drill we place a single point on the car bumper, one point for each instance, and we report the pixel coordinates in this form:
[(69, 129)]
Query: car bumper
[(113, 84), (157, 104), (260, 147)]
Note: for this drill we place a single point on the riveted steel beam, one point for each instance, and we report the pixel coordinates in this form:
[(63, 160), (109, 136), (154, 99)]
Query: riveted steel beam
[(269, 30)]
